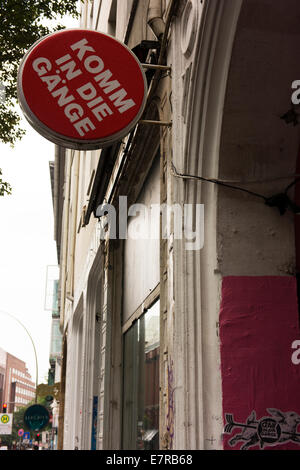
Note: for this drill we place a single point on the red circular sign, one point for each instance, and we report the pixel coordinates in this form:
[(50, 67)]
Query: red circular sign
[(81, 89)]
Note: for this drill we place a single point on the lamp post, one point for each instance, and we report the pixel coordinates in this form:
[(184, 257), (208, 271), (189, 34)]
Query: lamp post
[(35, 354)]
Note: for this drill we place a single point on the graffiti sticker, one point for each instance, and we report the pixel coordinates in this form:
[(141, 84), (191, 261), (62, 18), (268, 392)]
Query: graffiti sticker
[(278, 428)]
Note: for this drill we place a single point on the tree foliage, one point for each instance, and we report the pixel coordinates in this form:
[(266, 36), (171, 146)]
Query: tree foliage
[(23, 22), (5, 188), (43, 391)]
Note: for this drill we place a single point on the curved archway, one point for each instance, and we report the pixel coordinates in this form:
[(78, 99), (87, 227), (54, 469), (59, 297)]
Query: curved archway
[(243, 67), (255, 229), (256, 144)]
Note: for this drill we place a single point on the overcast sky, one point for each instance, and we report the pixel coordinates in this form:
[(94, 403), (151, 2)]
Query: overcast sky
[(27, 247)]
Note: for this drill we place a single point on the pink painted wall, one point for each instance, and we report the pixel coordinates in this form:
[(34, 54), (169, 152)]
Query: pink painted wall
[(258, 323)]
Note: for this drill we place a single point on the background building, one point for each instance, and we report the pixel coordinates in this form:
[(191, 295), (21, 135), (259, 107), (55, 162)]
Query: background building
[(56, 341), (2, 375), (17, 387), (170, 341), (52, 293), (52, 304)]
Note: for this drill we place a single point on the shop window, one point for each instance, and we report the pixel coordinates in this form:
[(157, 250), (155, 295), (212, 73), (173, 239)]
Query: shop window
[(141, 382)]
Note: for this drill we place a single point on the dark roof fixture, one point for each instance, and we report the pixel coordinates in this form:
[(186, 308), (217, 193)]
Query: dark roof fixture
[(283, 203), (142, 51), (290, 116)]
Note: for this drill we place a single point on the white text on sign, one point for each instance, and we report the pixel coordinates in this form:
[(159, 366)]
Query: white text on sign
[(103, 94)]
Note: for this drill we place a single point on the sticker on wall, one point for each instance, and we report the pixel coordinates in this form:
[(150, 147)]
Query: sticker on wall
[(259, 322), (278, 428)]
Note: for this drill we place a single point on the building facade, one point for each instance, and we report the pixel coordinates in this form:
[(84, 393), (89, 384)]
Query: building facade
[(16, 386), (55, 341), (2, 376), (184, 323)]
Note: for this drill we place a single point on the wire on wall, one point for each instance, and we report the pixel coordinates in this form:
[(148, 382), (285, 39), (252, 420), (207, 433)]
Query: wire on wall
[(281, 200)]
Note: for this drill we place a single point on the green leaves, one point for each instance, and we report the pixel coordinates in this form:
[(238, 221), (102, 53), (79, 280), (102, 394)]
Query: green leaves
[(5, 188), (22, 22)]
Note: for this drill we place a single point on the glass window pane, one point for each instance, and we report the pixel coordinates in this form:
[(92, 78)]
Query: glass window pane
[(130, 387), (141, 383)]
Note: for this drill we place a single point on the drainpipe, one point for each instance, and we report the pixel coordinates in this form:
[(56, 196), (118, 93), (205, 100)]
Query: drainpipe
[(155, 20)]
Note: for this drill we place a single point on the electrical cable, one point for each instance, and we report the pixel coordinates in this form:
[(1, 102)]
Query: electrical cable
[(215, 181), (292, 184), (281, 200), (261, 181)]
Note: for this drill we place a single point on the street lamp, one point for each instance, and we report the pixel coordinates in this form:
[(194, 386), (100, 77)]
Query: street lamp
[(36, 361)]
